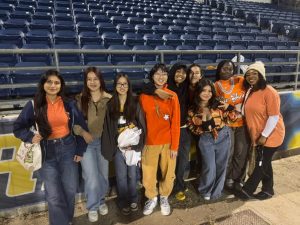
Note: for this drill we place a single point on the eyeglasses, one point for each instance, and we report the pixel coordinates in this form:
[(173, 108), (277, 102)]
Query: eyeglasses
[(50, 82), (125, 85)]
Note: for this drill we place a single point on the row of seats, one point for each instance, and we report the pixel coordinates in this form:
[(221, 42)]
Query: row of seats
[(138, 74), (85, 58)]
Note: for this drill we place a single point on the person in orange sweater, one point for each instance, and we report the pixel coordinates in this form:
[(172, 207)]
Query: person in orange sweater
[(162, 141)]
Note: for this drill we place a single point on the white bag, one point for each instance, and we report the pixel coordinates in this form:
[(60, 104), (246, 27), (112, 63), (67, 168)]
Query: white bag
[(129, 137), (29, 155)]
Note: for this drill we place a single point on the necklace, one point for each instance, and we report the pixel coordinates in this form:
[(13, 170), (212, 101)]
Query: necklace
[(230, 89)]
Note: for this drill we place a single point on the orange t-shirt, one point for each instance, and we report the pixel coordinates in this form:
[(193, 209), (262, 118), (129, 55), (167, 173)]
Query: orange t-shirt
[(232, 92), (162, 119), (57, 118), (258, 107)]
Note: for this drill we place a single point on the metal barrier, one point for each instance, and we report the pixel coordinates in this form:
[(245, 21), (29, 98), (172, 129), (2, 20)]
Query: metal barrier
[(159, 53)]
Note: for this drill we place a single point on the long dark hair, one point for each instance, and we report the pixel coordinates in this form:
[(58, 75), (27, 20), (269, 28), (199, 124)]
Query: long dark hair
[(260, 85), (189, 70), (199, 88), (40, 102), (85, 94), (130, 104), (221, 64)]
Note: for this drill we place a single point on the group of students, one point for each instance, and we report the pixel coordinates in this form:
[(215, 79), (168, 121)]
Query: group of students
[(176, 107)]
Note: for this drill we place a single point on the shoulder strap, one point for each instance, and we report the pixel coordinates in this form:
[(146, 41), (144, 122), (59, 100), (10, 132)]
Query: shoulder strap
[(37, 128)]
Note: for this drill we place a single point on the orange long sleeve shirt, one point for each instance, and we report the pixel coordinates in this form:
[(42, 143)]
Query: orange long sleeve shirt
[(162, 119)]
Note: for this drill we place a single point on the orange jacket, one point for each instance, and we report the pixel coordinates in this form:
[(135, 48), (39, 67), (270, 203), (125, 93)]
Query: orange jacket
[(162, 119)]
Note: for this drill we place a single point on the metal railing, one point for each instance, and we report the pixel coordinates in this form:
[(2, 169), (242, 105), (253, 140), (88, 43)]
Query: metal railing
[(159, 53)]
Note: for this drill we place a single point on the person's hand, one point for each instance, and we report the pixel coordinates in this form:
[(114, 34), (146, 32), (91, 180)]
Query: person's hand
[(87, 137), (36, 139), (173, 154), (163, 94), (262, 140), (77, 158), (223, 105)]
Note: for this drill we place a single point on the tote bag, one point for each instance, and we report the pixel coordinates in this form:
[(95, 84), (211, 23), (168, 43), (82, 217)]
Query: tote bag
[(29, 155)]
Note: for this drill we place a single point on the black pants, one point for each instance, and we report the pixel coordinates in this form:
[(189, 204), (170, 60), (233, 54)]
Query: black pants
[(263, 171)]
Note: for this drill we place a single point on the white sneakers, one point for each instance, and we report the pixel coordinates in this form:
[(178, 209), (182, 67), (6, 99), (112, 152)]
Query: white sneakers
[(165, 208), (103, 209), (93, 216), (151, 204)]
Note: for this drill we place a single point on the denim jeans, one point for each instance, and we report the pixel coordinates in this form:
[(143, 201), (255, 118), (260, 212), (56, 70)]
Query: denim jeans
[(182, 159), (60, 175), (95, 175), (214, 161), (126, 181)]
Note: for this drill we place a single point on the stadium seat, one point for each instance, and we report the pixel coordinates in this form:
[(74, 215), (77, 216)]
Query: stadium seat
[(12, 37), (172, 40), (188, 57), (142, 58), (68, 57), (115, 58), (153, 39), (89, 38), (86, 26), (167, 57), (133, 73), (39, 57), (131, 39), (87, 58), (111, 38)]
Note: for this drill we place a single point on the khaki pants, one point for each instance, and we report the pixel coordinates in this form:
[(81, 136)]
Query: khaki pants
[(151, 156)]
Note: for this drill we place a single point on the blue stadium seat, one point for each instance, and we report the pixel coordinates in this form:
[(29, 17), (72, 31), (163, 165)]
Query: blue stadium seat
[(189, 39), (87, 58), (211, 56), (40, 25), (5, 79), (43, 16), (115, 58), (143, 29), (135, 20), (142, 58), (10, 59), (71, 74), (172, 40), (86, 26), (28, 76), (150, 21), (89, 37), (133, 73), (118, 19), (167, 57), (69, 57), (106, 27), (125, 28), (111, 38), (16, 24), (180, 22), (63, 17), (83, 18), (224, 55), (166, 22), (160, 29), (192, 30), (131, 39), (188, 57), (101, 19), (39, 57), (153, 39), (65, 37), (64, 26), (39, 37), (12, 37), (22, 15), (4, 14), (178, 30), (148, 67)]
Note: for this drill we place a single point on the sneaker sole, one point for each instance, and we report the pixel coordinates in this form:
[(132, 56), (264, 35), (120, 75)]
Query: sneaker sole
[(165, 214), (103, 213)]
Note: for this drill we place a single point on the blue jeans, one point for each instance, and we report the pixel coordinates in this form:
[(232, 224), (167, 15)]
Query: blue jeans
[(182, 159), (126, 181), (60, 175), (95, 175), (214, 162)]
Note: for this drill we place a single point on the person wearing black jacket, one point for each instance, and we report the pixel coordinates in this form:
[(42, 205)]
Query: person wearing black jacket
[(123, 112)]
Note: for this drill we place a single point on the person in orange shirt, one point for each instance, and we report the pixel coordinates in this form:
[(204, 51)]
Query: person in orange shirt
[(162, 141), (55, 116), (265, 124), (230, 89)]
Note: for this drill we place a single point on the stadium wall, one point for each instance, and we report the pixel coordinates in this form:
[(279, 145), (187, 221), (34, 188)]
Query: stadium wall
[(22, 191)]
